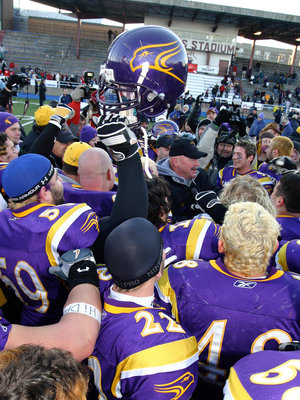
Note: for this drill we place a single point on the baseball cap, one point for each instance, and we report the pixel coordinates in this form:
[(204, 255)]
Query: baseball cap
[(7, 120), (24, 176), (65, 135), (143, 253), (43, 114), (73, 152), (204, 122), (87, 133), (165, 140), (226, 138), (185, 147), (298, 129)]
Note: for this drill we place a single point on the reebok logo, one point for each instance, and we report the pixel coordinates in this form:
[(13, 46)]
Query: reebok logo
[(244, 284)]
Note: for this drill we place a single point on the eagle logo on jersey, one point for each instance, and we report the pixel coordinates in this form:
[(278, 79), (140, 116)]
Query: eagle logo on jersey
[(89, 222), (179, 386), (157, 55)]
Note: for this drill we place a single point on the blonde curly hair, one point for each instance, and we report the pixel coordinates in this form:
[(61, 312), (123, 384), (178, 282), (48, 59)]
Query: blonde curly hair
[(249, 235), (246, 188)]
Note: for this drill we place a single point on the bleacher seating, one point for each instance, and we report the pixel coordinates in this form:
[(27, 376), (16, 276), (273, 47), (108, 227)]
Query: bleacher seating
[(199, 83), (54, 53), (268, 70)]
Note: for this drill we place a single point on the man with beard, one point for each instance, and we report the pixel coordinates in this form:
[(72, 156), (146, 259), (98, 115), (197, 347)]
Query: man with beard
[(222, 156), (38, 228)]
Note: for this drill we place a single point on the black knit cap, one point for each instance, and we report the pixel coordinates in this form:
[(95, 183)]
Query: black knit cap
[(133, 252)]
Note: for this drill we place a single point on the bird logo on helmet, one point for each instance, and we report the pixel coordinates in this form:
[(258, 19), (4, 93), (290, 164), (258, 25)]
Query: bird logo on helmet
[(164, 127), (146, 68)]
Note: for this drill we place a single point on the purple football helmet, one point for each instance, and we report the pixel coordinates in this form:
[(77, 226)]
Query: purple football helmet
[(165, 127), (146, 68)]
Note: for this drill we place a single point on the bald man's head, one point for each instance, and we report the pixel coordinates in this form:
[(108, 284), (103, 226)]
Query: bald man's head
[(95, 170)]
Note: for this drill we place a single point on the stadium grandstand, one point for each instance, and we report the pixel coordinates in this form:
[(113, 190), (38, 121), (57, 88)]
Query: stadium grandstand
[(69, 44)]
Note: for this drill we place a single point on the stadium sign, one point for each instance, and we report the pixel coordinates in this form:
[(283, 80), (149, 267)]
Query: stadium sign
[(207, 69), (212, 47)]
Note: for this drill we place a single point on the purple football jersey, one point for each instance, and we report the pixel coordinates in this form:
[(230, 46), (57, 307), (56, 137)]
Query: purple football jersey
[(288, 257), (100, 202), (5, 328), (32, 239), (264, 168), (271, 375), (290, 227), (227, 174), (230, 316), (151, 149), (141, 353), (191, 239)]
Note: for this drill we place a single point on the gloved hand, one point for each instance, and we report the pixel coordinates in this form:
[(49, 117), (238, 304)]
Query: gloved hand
[(114, 133), (199, 100), (64, 111), (208, 202), (282, 164), (242, 127), (223, 116), (57, 120), (78, 94), (70, 258)]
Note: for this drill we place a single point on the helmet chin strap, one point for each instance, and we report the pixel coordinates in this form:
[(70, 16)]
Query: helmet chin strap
[(145, 69), (147, 171), (143, 74)]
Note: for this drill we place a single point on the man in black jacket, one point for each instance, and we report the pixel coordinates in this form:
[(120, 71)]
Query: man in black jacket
[(186, 180)]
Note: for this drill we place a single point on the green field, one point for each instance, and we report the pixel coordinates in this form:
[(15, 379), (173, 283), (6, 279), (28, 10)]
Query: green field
[(18, 111)]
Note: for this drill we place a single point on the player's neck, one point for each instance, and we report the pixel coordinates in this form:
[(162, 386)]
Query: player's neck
[(244, 170), (283, 211)]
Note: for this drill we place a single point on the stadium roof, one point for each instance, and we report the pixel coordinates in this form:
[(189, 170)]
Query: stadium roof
[(63, 17), (281, 27)]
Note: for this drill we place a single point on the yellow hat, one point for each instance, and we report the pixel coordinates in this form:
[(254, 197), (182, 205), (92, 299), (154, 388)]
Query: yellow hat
[(43, 114), (74, 151), (298, 129)]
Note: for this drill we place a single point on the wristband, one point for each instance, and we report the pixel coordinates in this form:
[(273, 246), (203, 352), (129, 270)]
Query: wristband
[(83, 272), (83, 308)]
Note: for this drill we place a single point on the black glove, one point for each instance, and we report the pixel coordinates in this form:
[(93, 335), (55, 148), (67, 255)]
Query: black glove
[(114, 133), (57, 120), (242, 127), (199, 100), (281, 165), (78, 266), (223, 116), (208, 202)]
